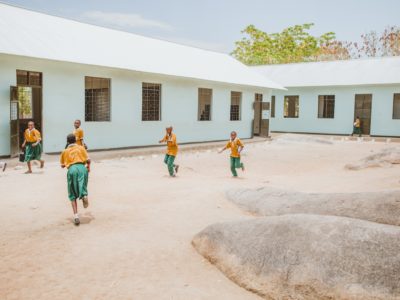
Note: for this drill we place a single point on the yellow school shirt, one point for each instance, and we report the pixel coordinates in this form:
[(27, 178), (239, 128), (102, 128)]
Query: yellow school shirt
[(79, 136), (32, 136), (172, 146), (357, 123), (74, 154), (234, 146)]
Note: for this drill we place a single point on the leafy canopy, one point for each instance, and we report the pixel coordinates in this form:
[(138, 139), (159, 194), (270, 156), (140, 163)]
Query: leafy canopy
[(293, 44)]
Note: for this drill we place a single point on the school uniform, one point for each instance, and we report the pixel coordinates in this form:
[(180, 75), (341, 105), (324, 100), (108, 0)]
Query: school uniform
[(79, 136), (74, 157), (235, 155), (357, 127), (32, 152), (172, 151)]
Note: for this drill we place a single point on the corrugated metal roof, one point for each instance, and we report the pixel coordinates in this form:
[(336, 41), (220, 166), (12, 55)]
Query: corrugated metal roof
[(28, 33), (385, 70)]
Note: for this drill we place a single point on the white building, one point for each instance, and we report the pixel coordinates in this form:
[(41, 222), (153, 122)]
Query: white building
[(325, 97), (125, 88)]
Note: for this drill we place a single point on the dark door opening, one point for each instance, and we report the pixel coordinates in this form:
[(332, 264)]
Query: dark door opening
[(261, 121), (362, 109), (14, 122), (29, 95)]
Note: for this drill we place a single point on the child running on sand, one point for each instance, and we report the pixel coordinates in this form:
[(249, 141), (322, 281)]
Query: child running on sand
[(236, 146), (78, 132), (76, 160), (172, 151), (32, 145)]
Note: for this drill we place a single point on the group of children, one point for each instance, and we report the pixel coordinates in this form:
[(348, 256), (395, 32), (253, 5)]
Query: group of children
[(75, 158)]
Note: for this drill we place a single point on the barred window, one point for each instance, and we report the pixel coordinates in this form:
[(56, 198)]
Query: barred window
[(326, 106), (97, 99), (396, 106), (29, 78), (151, 101), (272, 106), (205, 98), (236, 100), (291, 107)]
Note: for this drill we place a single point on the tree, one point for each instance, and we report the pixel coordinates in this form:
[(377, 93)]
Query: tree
[(293, 44), (296, 44), (373, 44)]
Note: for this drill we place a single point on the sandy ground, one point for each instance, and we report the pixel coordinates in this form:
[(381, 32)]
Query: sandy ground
[(135, 238)]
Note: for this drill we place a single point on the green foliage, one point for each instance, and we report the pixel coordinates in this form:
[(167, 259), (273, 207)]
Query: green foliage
[(25, 102), (293, 44)]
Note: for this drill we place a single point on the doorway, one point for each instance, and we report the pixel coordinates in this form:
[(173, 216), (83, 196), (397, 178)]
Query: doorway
[(362, 109), (261, 116), (26, 105)]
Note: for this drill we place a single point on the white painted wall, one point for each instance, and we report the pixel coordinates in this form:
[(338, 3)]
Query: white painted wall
[(382, 123), (63, 101)]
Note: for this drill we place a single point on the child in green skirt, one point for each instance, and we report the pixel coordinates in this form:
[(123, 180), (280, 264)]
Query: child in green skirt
[(76, 160), (236, 146), (32, 145)]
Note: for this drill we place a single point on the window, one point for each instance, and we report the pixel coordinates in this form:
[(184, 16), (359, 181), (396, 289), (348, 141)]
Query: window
[(204, 112), (97, 99), (291, 107), (396, 106), (236, 100), (272, 106), (29, 78), (326, 106), (151, 101)]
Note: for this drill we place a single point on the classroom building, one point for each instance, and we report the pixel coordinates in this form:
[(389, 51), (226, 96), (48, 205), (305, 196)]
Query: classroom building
[(325, 97), (124, 87)]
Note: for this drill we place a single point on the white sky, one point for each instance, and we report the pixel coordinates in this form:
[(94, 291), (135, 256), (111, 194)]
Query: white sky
[(216, 24)]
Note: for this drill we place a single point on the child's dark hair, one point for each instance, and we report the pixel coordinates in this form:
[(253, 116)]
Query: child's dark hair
[(71, 139)]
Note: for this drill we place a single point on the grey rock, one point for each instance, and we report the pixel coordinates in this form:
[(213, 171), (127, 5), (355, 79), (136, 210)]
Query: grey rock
[(381, 207), (307, 256)]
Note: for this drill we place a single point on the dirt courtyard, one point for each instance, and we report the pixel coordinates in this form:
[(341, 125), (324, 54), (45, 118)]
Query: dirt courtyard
[(134, 241)]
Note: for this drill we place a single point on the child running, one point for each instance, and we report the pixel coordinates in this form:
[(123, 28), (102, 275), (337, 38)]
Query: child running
[(32, 145), (236, 146), (75, 159), (78, 132), (172, 151)]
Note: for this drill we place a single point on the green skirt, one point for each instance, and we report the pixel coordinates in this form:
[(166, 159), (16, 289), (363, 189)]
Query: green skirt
[(356, 130), (77, 178), (33, 153)]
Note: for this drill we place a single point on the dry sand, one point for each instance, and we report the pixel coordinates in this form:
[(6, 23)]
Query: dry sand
[(135, 238)]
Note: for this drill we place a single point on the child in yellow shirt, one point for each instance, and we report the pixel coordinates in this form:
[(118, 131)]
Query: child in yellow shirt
[(172, 151), (78, 132), (76, 160), (33, 146), (357, 126), (236, 146)]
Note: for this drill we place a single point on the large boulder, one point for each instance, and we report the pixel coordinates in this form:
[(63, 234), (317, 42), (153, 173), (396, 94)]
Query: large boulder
[(381, 207), (307, 256)]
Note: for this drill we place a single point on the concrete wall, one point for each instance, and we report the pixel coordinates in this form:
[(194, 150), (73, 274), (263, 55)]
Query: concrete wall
[(308, 121), (63, 101)]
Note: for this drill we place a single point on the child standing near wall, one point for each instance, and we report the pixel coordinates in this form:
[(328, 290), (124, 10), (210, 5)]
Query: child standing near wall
[(78, 132), (236, 146), (357, 126), (172, 151), (76, 160), (32, 145)]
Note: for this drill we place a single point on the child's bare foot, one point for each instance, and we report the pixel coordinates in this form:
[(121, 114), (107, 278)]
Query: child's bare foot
[(28, 172), (41, 164), (85, 201), (176, 168)]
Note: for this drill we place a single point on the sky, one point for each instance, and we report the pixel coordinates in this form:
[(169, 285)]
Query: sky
[(217, 24)]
